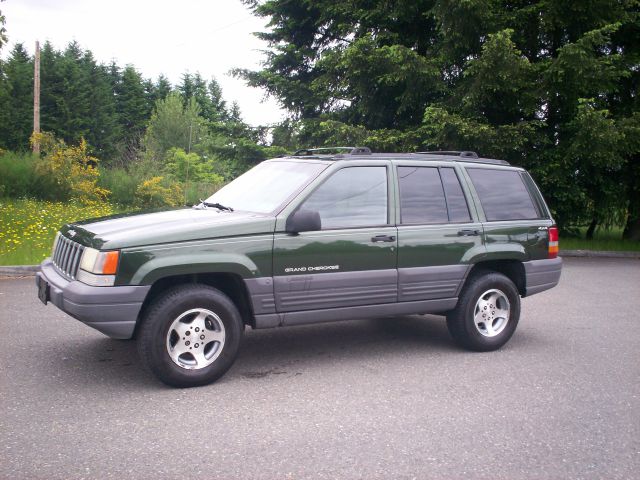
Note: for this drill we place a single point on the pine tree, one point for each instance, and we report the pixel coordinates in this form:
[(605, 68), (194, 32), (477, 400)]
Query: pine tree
[(18, 92), (133, 109), (51, 90), (163, 88)]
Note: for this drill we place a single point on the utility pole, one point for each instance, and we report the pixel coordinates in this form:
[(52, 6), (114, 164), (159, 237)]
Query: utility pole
[(36, 97)]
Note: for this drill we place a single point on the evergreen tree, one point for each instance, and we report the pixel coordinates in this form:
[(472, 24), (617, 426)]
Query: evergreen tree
[(74, 101), (18, 99), (528, 81), (162, 87), (186, 87), (51, 90), (3, 30), (132, 103), (104, 129), (218, 103)]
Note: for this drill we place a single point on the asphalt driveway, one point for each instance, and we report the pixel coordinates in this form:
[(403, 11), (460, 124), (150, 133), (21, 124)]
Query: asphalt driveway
[(386, 398)]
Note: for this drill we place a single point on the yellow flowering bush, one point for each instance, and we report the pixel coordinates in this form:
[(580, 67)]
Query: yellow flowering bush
[(152, 193), (74, 171)]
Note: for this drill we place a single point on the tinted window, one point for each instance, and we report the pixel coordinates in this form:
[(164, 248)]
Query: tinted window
[(351, 197), (502, 194), (421, 195), (456, 203)]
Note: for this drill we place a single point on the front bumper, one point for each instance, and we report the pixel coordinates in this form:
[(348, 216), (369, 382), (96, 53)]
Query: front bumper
[(110, 310)]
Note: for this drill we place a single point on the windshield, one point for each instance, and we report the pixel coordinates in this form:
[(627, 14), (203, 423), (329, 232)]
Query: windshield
[(267, 186)]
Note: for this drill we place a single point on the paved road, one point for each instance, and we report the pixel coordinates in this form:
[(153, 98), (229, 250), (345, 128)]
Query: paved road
[(389, 398)]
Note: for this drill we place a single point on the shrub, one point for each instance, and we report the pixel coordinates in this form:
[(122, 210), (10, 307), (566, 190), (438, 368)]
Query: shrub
[(121, 183), (19, 178), (153, 194), (71, 168)]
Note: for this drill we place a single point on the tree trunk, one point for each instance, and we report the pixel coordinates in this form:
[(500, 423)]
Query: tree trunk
[(592, 228), (632, 229)]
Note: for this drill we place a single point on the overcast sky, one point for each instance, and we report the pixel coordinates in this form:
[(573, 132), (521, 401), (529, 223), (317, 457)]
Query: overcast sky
[(157, 36)]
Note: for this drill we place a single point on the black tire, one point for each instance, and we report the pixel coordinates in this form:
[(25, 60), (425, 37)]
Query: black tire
[(154, 336), (491, 332)]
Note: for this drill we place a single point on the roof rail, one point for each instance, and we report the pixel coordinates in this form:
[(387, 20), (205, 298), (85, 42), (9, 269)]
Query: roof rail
[(351, 151), (458, 153)]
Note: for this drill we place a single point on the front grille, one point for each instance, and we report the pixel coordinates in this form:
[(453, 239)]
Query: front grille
[(66, 257)]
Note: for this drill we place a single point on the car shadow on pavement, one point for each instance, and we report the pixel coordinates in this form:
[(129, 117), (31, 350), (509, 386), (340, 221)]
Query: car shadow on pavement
[(115, 363), (318, 345)]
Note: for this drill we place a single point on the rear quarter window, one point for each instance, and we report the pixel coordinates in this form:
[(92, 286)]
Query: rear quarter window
[(503, 194)]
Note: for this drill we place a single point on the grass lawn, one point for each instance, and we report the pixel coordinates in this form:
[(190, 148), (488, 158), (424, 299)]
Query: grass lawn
[(28, 227), (610, 240)]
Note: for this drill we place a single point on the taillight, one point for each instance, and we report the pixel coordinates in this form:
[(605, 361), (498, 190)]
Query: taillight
[(554, 244)]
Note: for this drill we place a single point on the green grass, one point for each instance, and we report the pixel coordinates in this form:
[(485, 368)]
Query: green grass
[(28, 227), (609, 240)]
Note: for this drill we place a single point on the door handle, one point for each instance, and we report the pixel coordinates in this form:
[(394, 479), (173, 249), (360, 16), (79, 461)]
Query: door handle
[(383, 238), (467, 232)]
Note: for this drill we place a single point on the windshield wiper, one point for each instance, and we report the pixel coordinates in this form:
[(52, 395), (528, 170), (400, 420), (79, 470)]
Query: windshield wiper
[(219, 206)]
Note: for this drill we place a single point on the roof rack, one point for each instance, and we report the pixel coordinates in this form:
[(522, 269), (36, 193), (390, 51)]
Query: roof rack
[(345, 153), (463, 153), (314, 151)]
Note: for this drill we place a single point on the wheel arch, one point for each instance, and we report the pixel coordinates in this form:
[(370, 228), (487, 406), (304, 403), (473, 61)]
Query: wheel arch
[(229, 283), (512, 269)]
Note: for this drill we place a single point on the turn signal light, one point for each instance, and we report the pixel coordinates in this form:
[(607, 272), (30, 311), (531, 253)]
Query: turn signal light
[(554, 244), (102, 263)]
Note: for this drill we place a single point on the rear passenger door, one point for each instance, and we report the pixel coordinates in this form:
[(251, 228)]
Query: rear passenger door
[(438, 234), (515, 224)]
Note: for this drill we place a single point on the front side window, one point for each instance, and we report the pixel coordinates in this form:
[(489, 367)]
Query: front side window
[(503, 194), (351, 197)]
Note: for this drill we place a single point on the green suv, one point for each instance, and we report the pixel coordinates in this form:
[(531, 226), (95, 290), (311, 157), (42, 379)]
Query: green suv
[(313, 237)]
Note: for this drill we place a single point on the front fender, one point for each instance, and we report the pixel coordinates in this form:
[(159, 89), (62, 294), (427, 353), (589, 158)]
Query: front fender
[(246, 257)]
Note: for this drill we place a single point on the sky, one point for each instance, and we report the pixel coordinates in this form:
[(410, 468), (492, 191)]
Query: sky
[(156, 36)]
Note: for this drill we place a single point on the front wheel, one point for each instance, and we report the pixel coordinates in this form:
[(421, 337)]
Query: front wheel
[(190, 336), (487, 313)]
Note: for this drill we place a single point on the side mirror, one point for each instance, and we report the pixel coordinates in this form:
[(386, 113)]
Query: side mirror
[(303, 221)]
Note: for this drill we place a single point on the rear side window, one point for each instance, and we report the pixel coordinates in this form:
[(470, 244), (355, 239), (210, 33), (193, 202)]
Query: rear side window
[(503, 194), (421, 195), (456, 203)]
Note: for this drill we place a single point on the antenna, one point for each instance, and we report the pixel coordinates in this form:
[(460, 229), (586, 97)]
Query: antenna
[(186, 181)]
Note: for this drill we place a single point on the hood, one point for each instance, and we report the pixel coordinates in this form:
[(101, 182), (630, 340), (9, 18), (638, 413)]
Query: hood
[(132, 230)]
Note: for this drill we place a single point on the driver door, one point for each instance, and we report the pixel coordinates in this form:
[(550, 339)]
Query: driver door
[(351, 261)]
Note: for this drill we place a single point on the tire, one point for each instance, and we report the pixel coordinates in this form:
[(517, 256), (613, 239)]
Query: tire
[(487, 312), (190, 335)]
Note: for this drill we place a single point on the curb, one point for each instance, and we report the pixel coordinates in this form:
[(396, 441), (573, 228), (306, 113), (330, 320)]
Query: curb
[(19, 270), (30, 270), (598, 254)]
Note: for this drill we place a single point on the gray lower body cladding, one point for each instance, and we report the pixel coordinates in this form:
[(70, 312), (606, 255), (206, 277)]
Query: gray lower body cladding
[(352, 313), (541, 275), (110, 310), (327, 297)]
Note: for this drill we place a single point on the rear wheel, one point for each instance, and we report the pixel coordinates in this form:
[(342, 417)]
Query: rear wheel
[(190, 336), (487, 313)]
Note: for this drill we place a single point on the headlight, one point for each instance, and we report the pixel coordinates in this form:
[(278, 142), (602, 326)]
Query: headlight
[(98, 268)]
